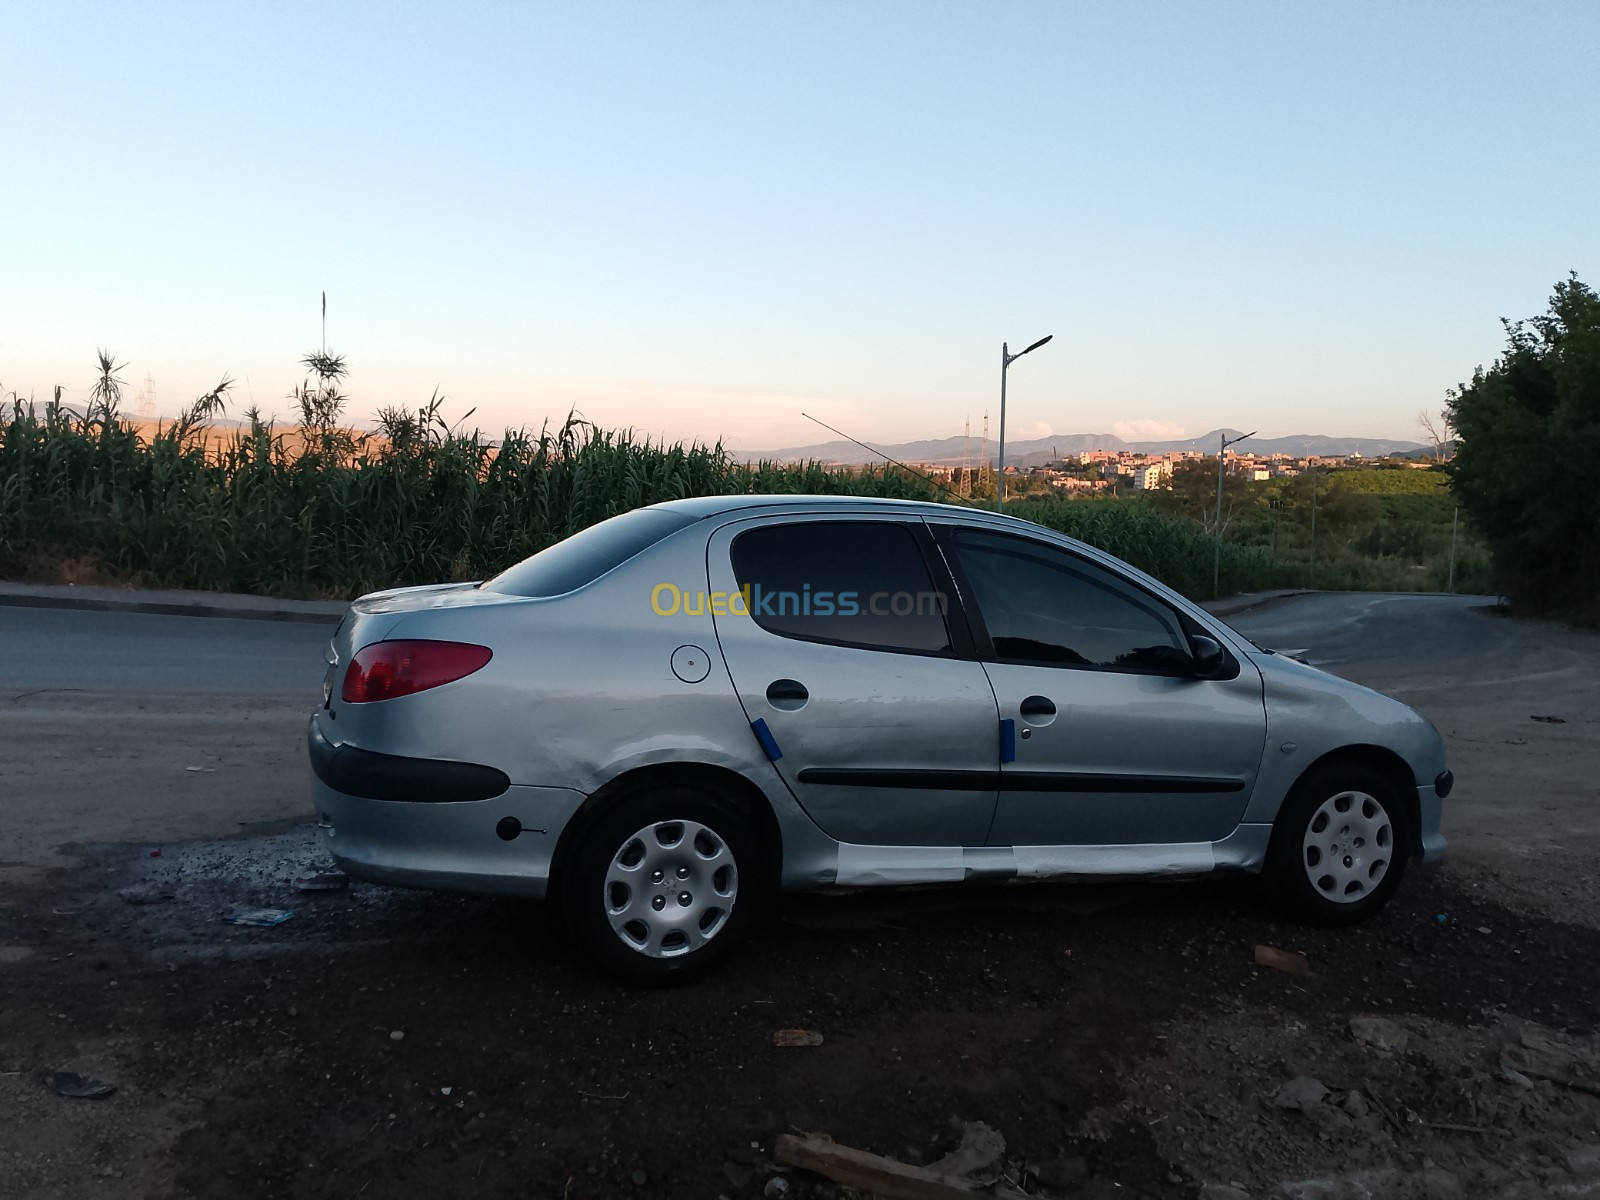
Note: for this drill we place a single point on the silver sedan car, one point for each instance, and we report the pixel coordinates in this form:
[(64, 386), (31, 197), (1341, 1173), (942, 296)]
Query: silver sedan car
[(662, 719)]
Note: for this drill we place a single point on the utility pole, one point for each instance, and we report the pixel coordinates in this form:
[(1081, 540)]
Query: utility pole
[(983, 452), (1455, 520), (966, 459), (1006, 359), (1222, 450), (1314, 488)]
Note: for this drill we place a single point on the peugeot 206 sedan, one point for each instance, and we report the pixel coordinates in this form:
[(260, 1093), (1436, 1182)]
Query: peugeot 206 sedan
[(661, 719)]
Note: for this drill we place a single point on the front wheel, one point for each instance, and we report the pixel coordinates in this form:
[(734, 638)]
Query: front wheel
[(1340, 844), (664, 886)]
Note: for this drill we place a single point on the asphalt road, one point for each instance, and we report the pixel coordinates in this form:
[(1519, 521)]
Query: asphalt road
[(1416, 646), (133, 652), (1406, 635)]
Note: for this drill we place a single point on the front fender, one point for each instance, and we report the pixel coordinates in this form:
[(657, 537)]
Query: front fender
[(1311, 714)]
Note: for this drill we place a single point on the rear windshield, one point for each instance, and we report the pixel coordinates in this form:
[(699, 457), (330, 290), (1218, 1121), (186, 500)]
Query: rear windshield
[(589, 554)]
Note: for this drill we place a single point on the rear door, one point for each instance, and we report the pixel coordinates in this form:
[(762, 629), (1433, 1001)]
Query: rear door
[(1109, 737), (855, 680)]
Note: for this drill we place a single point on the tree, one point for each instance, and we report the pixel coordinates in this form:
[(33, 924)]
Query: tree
[(1193, 494), (1437, 431), (1528, 430)]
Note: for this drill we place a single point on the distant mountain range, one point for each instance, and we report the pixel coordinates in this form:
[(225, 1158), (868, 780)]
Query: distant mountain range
[(948, 452)]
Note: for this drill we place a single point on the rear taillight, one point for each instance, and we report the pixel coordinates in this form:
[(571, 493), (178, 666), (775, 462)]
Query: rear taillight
[(385, 670)]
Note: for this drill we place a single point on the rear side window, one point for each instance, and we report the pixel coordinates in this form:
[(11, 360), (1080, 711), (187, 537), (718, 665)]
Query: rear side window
[(851, 583), (589, 554)]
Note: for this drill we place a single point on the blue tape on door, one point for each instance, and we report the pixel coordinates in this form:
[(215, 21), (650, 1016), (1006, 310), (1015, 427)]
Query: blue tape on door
[(764, 736), (1008, 741)]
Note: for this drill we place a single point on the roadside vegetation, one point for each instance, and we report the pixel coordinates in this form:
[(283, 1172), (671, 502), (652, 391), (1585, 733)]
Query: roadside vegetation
[(1529, 429), (1384, 528), (314, 508)]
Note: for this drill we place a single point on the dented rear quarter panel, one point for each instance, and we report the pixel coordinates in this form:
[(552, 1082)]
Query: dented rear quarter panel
[(580, 691)]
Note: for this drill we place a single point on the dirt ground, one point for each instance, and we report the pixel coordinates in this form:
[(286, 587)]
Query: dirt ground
[(1120, 1038)]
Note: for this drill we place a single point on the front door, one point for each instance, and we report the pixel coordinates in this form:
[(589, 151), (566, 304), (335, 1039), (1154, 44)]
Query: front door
[(836, 637), (1112, 740)]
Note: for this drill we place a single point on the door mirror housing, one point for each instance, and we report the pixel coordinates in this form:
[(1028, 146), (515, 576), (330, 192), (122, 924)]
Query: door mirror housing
[(1208, 656)]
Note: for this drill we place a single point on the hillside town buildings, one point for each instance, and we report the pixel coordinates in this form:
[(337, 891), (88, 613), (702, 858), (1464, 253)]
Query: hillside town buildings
[(1108, 471)]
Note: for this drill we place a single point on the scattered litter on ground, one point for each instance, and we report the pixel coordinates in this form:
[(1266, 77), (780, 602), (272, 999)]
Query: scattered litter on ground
[(201, 770), (396, 1035), (445, 1091), (327, 881), (888, 1178), (155, 854), (263, 917), (80, 1087), (1290, 961), (797, 1037), (1550, 720)]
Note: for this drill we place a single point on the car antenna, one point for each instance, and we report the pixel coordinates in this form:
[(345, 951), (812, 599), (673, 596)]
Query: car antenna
[(894, 461)]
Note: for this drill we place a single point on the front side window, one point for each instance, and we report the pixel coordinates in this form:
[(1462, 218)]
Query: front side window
[(1043, 605), (854, 583)]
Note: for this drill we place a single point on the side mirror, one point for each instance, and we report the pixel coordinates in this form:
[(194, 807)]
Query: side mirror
[(1207, 655)]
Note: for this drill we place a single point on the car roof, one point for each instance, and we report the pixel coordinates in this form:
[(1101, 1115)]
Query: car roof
[(712, 506)]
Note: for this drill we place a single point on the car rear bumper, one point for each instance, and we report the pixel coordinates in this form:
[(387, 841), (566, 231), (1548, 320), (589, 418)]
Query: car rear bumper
[(451, 845)]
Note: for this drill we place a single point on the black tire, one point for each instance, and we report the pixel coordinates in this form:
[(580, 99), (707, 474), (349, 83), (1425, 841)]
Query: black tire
[(586, 898), (1306, 880)]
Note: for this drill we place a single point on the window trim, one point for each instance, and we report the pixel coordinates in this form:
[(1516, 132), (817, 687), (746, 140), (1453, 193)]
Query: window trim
[(961, 646), (947, 534)]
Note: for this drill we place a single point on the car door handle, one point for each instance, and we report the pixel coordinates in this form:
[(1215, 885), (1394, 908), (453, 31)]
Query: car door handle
[(1038, 710), (787, 694)]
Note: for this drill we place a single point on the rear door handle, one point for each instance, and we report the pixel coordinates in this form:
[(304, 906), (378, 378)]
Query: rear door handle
[(787, 694), (1038, 710)]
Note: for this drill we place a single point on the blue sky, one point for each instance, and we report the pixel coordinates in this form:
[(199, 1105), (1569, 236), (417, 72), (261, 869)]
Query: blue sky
[(700, 219)]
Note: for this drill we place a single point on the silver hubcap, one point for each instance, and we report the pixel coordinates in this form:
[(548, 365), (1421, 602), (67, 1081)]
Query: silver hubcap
[(671, 888), (1348, 847)]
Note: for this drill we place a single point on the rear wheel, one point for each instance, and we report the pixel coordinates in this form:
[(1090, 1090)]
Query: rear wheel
[(1340, 843), (664, 886)]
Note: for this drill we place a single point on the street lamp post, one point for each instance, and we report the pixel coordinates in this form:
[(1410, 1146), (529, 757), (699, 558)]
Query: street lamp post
[(1006, 359), (1216, 562)]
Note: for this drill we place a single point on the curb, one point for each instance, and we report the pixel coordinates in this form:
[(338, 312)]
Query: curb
[(1233, 605), (169, 608)]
